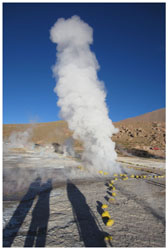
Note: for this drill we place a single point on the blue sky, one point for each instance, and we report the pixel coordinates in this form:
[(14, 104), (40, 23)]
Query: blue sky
[(129, 43)]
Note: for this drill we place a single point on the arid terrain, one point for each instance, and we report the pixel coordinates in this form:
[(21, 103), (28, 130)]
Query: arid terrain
[(144, 135), (141, 136), (52, 200)]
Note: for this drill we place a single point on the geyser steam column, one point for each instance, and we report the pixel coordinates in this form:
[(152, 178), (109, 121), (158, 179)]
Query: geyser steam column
[(81, 94)]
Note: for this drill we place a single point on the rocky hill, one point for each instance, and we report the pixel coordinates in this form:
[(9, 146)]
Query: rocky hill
[(141, 138), (142, 135)]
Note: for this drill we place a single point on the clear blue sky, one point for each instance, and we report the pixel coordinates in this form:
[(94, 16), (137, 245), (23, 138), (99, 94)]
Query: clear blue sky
[(129, 43)]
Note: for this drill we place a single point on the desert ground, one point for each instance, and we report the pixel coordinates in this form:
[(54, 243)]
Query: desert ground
[(60, 205), (51, 199)]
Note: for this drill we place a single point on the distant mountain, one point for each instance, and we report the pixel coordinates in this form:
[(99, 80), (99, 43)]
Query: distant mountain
[(154, 116)]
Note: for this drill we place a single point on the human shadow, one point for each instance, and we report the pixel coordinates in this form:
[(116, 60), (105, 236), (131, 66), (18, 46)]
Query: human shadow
[(13, 226), (88, 229), (40, 216)]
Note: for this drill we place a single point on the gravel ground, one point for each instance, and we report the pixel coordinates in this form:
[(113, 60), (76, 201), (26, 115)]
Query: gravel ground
[(143, 162), (69, 214)]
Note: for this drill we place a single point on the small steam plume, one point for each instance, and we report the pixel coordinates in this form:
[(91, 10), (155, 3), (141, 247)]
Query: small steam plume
[(81, 94), (68, 147), (20, 139)]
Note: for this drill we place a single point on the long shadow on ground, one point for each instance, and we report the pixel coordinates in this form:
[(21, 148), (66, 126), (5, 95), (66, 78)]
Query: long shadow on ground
[(40, 216), (88, 229), (13, 226)]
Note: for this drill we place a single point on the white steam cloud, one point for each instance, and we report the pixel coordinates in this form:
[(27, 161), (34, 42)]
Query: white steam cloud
[(19, 139), (81, 94)]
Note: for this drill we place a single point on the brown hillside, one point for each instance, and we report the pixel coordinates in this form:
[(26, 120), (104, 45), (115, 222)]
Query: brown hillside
[(143, 133), (154, 116), (41, 132)]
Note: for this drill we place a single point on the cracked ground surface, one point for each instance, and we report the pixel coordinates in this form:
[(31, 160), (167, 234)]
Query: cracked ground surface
[(69, 215)]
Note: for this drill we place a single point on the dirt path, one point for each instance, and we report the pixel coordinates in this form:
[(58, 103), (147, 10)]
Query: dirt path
[(144, 162)]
